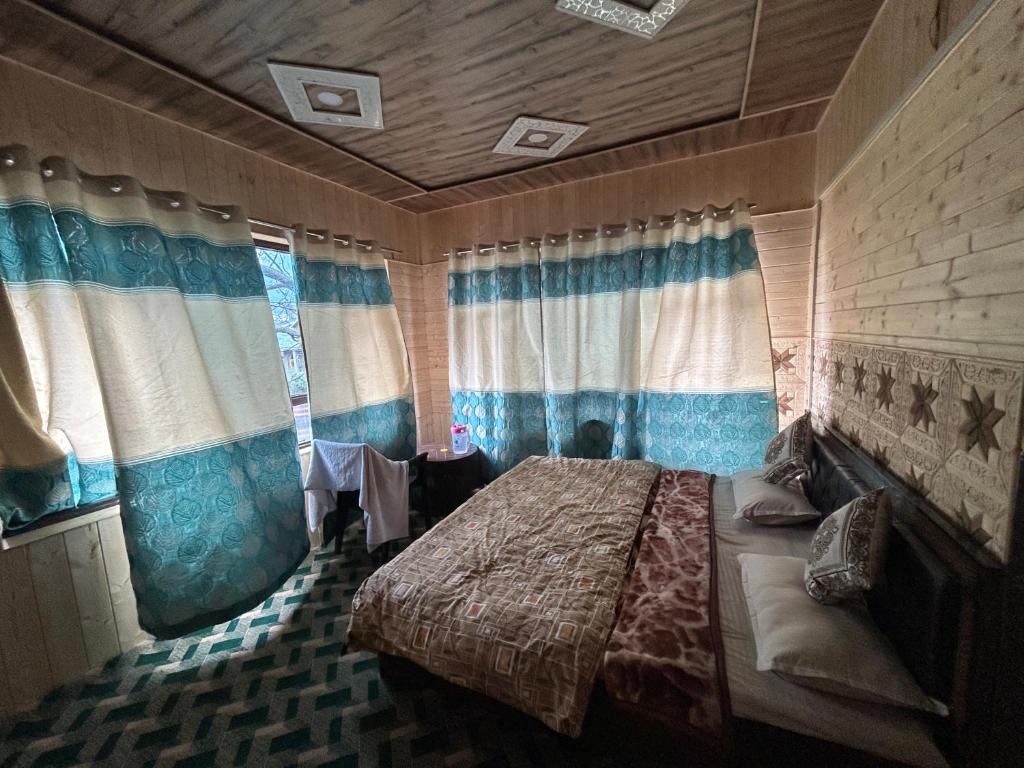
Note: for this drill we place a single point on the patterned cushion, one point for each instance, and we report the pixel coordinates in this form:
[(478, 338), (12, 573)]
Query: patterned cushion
[(788, 455), (848, 549)]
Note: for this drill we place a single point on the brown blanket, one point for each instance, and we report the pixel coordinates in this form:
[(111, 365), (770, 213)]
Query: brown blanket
[(513, 595), (665, 651)]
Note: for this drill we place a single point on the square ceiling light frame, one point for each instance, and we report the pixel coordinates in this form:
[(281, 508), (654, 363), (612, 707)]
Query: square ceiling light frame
[(525, 131), (297, 82), (623, 16)]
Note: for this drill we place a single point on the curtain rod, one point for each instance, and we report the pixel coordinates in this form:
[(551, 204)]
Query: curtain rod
[(283, 228), (9, 161), (608, 228)]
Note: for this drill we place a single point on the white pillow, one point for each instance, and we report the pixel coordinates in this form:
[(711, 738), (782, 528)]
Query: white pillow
[(832, 648), (769, 504)]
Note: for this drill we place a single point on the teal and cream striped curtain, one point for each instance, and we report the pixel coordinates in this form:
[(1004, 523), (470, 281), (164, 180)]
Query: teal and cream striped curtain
[(167, 302), (360, 383), (496, 368), (55, 452), (590, 297), (708, 388), (653, 343)]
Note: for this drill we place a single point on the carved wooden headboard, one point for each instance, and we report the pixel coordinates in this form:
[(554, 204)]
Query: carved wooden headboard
[(942, 601)]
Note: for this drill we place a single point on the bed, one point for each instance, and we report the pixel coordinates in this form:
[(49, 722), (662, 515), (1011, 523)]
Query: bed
[(582, 569)]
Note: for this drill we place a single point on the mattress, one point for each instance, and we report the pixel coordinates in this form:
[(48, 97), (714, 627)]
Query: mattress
[(889, 732)]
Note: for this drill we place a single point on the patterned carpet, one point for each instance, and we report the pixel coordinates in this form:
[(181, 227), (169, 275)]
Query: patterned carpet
[(278, 687)]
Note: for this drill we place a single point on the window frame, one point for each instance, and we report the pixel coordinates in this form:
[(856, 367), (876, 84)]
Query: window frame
[(274, 243)]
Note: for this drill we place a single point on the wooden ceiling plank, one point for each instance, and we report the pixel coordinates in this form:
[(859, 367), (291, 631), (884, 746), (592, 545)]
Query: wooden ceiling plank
[(750, 58), (804, 48), (700, 141), (46, 41)]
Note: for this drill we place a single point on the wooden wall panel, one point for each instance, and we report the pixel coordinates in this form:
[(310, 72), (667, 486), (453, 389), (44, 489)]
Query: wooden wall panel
[(407, 288), (920, 275), (785, 248), (72, 606), (106, 136), (898, 44), (776, 175)]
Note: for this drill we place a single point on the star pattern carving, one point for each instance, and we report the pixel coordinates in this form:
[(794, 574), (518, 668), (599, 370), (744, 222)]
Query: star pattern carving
[(837, 370), (973, 524), (918, 482), (922, 395), (883, 395), (978, 427), (783, 359), (881, 454), (785, 403), (860, 372)]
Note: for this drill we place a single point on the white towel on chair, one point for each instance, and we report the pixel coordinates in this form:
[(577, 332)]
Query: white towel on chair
[(383, 487)]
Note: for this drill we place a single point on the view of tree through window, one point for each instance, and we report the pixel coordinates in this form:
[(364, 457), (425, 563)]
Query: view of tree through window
[(279, 275)]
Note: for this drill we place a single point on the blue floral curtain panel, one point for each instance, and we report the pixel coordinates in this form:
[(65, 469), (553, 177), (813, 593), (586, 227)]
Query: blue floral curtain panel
[(648, 341), (178, 327), (496, 368), (55, 453), (360, 382), (590, 296), (708, 389)]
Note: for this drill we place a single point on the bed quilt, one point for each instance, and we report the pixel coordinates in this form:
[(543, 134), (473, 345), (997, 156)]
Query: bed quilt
[(514, 594), (665, 653)]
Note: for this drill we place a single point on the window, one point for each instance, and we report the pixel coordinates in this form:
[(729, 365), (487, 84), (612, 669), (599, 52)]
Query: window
[(279, 274)]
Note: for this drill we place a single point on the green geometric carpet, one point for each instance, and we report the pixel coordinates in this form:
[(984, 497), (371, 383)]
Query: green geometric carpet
[(277, 687)]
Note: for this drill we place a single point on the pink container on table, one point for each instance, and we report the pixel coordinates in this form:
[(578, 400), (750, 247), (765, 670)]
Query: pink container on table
[(460, 438)]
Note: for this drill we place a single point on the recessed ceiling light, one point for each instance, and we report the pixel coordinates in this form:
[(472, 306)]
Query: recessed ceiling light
[(330, 99), (534, 130), (624, 16), (305, 88)]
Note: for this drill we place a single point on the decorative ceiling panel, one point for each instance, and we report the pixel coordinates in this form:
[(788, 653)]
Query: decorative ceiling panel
[(642, 22), (536, 137)]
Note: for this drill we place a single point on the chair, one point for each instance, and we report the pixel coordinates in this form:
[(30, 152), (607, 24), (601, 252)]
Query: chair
[(348, 501)]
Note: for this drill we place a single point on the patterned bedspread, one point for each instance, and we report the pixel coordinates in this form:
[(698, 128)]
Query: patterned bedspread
[(514, 594), (665, 649)]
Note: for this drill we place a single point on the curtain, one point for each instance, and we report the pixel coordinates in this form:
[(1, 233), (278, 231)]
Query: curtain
[(496, 367), (360, 384), (653, 343), (708, 389), (176, 322), (55, 453), (590, 297)]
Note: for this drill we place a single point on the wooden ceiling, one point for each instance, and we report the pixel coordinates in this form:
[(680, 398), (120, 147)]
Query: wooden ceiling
[(453, 77)]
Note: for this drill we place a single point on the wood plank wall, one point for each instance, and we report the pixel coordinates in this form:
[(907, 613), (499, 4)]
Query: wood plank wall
[(777, 175), (902, 39), (68, 606), (921, 264), (407, 289)]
